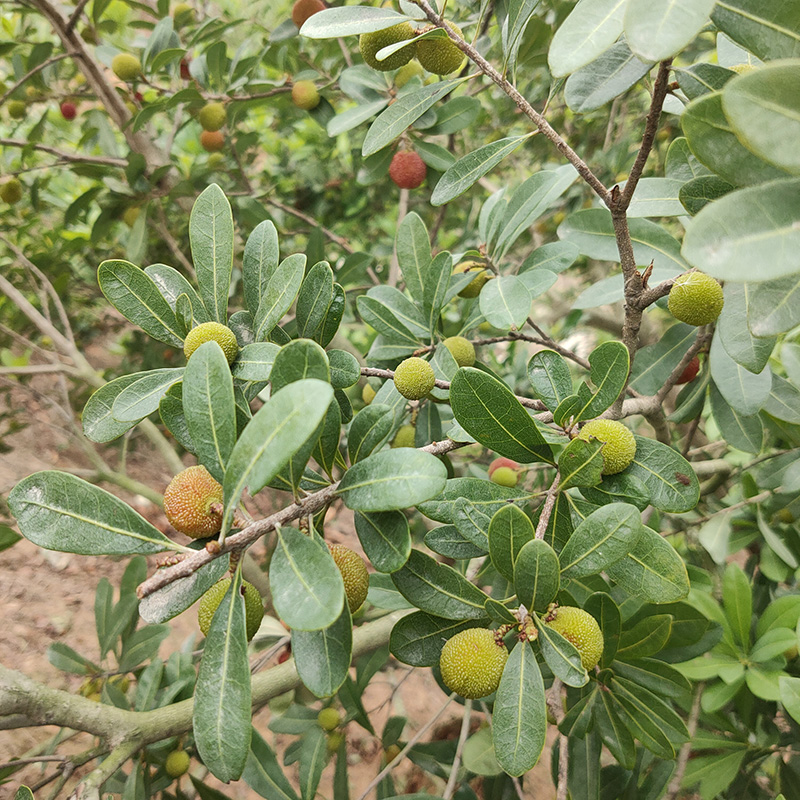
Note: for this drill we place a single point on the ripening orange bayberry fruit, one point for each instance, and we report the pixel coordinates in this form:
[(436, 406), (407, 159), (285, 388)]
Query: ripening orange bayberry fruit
[(188, 502), (407, 169), (354, 574), (472, 663), (305, 95), (619, 444), (69, 110), (303, 9), (212, 141), (414, 378), (253, 606), (212, 331), (580, 628)]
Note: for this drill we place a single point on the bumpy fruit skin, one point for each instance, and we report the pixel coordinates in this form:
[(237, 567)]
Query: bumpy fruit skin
[(354, 574), (126, 67), (11, 191), (209, 331), (212, 116), (371, 43), (188, 500), (368, 394), (482, 275), (462, 350), (253, 606), (406, 73), (414, 378), (440, 56), (303, 9), (690, 372), (17, 109), (404, 436), (69, 110), (504, 476), (472, 663), (580, 628), (334, 742), (212, 141), (305, 95), (619, 444), (182, 14), (328, 719), (695, 298), (177, 763), (407, 169)]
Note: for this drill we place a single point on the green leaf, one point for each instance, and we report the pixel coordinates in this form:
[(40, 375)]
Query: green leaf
[(768, 30), (404, 112), (610, 363), (488, 496), (742, 432), (589, 30), (306, 584), (414, 254), (550, 377), (478, 753), (142, 397), (640, 721), (301, 359), (209, 407), (744, 391), (697, 193), (438, 589), (136, 296), (279, 294), (211, 238), (392, 479), (619, 488), (63, 657), (505, 302), (487, 409), (519, 718), (773, 644), (275, 433), (790, 696), (322, 657), (263, 774), (98, 424), (656, 362), (8, 537), (369, 428), (713, 774), (335, 22), (436, 289), (561, 656), (656, 197), (612, 730), (745, 349), (261, 253), (448, 541), (658, 31), (172, 285), (221, 716), (702, 78), (774, 306), (61, 512), (391, 322), (668, 476), (472, 167), (418, 638), (313, 757), (536, 575), (603, 538), (141, 646), (385, 537), (581, 463), (553, 257), (509, 531), (345, 369), (652, 571), (254, 362), (313, 301), (646, 638), (603, 608)]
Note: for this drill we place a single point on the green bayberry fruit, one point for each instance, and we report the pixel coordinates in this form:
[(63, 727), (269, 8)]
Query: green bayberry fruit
[(440, 55), (130, 215), (695, 298), (406, 73), (11, 191), (354, 574), (391, 753), (335, 739), (580, 628), (504, 476), (619, 445), (371, 43), (482, 275), (404, 436), (305, 95), (212, 331), (188, 502), (182, 14), (328, 719), (414, 378), (368, 394), (126, 67), (17, 109), (462, 350), (472, 663), (177, 763), (253, 606), (212, 116)]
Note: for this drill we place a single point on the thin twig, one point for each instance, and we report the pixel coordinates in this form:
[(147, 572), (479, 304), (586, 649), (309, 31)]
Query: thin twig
[(686, 749), (32, 760), (311, 221), (452, 781), (547, 507), (75, 16), (32, 72), (76, 158)]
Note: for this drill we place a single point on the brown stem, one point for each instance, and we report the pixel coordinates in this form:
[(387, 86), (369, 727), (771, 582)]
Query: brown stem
[(547, 507), (75, 158), (686, 749), (32, 72), (311, 221)]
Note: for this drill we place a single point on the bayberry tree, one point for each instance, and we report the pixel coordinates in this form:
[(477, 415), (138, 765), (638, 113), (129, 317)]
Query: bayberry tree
[(597, 203)]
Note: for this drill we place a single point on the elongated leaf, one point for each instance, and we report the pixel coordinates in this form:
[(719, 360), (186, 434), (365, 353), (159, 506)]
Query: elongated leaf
[(313, 757), (646, 638), (259, 262), (550, 377), (620, 488), (519, 719), (581, 464), (766, 29), (656, 362), (418, 638), (172, 285), (743, 390), (276, 432), (603, 608), (279, 294), (254, 362), (98, 424), (222, 697), (448, 541), (487, 409), (609, 371), (509, 531), (263, 774), (393, 479), (385, 537), (313, 301), (369, 428), (669, 478), (61, 512), (561, 656), (488, 496), (336, 22), (136, 296), (414, 254), (658, 31), (387, 320), (211, 238), (322, 657), (505, 302), (536, 575), (774, 306), (741, 432), (141, 397)]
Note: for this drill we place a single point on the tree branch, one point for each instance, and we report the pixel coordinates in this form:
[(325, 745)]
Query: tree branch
[(77, 158), (547, 507), (311, 221), (32, 72)]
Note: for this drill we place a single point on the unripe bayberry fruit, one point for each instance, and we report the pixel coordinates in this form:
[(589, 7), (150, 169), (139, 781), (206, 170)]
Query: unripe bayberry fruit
[(126, 67), (368, 394), (16, 109), (335, 739), (504, 476), (215, 160), (212, 331), (371, 43), (414, 378), (580, 628), (472, 663), (253, 606), (391, 753), (407, 169), (305, 95), (11, 191), (69, 110), (690, 371), (482, 275), (212, 141), (440, 56), (404, 436), (406, 73), (182, 14), (177, 763), (188, 502), (303, 9), (354, 575), (328, 719), (619, 445), (212, 116), (502, 461), (130, 216), (695, 298), (462, 350)]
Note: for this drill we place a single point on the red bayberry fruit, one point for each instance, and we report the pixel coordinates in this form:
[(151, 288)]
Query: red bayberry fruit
[(407, 169), (690, 371), (185, 74), (502, 461), (69, 110)]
